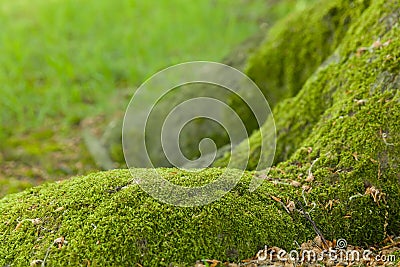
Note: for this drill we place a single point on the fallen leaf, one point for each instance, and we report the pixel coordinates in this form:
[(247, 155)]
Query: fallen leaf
[(277, 199), (36, 221), (36, 262), (309, 178), (18, 226), (60, 242), (291, 206), (295, 183)]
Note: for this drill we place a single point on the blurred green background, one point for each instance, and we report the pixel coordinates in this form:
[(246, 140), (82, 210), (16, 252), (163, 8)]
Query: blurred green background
[(70, 64)]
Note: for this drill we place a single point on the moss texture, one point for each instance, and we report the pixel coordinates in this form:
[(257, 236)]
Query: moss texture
[(347, 115), (295, 47), (338, 154), (106, 221), (362, 79)]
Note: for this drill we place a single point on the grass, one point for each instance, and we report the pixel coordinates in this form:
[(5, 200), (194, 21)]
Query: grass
[(62, 61), (66, 58)]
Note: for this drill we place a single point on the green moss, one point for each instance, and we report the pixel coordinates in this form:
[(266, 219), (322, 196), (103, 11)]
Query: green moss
[(129, 226), (338, 138), (346, 116), (107, 225), (293, 49), (297, 45), (340, 90)]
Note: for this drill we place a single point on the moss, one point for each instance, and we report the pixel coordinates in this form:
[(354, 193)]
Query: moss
[(129, 226), (106, 224), (293, 49), (337, 154), (297, 45), (340, 90), (347, 116)]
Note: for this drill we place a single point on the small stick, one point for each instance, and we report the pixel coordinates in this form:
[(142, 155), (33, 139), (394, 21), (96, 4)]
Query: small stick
[(391, 245), (316, 230), (279, 201)]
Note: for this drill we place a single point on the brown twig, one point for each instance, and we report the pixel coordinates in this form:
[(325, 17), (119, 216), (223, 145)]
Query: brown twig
[(391, 245), (314, 225)]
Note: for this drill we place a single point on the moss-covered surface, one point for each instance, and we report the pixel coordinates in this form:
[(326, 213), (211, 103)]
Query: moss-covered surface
[(296, 46), (338, 153), (106, 220), (347, 115), (337, 104)]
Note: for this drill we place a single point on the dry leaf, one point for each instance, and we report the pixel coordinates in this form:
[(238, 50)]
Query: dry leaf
[(36, 262), (291, 206), (295, 183), (36, 221), (309, 178), (277, 199), (60, 242), (18, 226), (361, 51), (306, 188)]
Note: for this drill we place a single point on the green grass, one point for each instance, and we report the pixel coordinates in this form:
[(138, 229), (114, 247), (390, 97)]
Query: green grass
[(63, 59)]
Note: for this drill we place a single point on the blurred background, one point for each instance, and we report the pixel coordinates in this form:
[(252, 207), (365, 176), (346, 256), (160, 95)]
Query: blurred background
[(70, 65)]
